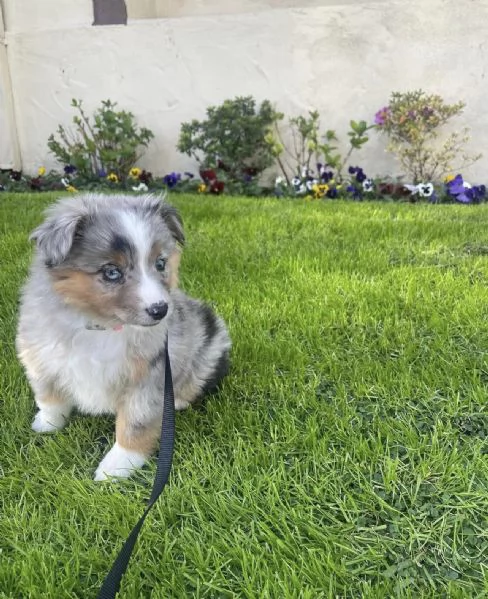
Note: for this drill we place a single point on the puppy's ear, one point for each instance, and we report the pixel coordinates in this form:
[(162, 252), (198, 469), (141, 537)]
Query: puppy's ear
[(55, 236), (173, 221)]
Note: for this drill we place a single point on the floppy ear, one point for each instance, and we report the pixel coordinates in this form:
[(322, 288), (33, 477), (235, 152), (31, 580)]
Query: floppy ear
[(173, 221), (55, 236)]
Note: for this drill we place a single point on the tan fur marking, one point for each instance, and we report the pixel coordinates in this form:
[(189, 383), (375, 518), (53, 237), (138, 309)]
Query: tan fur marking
[(141, 439), (139, 369), (29, 358), (156, 251), (51, 399), (118, 259), (174, 266), (80, 289)]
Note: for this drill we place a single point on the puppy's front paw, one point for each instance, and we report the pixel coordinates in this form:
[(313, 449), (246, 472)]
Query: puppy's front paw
[(119, 462), (48, 421)]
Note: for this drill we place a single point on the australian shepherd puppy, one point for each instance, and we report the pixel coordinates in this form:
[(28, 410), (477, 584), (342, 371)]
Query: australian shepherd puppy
[(99, 301)]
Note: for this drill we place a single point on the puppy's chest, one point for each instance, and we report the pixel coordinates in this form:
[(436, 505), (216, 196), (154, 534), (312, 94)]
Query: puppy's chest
[(95, 370)]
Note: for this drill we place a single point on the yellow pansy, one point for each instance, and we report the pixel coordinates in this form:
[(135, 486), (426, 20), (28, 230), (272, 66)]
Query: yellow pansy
[(41, 171), (71, 189), (449, 178), (202, 188), (113, 178), (319, 190), (135, 172)]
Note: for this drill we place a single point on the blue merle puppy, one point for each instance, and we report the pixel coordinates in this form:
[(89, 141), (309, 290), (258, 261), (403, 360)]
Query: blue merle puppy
[(99, 300)]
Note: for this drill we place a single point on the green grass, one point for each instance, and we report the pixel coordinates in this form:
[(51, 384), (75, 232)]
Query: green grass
[(345, 456)]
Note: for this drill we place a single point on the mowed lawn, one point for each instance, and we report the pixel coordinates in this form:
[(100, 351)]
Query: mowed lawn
[(346, 454)]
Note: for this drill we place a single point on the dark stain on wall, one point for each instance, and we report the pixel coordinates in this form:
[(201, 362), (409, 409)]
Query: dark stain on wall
[(109, 12)]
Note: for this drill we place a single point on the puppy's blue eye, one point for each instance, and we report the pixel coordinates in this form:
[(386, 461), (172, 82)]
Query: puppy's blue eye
[(111, 273), (160, 264)]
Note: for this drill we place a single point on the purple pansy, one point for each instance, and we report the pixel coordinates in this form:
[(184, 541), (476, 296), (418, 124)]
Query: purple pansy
[(69, 169), (172, 179), (358, 172)]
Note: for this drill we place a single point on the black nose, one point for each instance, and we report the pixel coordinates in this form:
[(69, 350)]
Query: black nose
[(158, 311)]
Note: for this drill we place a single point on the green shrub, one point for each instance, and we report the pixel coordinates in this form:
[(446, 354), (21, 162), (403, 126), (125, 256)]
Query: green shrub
[(109, 142), (309, 148), (413, 121), (232, 138)]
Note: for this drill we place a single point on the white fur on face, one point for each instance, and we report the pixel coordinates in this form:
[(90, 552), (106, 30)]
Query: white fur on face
[(119, 462), (151, 291)]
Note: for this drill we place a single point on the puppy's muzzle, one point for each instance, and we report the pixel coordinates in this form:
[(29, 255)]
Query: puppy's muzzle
[(157, 311)]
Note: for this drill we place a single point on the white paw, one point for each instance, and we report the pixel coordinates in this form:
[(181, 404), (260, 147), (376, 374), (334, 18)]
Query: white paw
[(181, 405), (48, 421), (119, 462)]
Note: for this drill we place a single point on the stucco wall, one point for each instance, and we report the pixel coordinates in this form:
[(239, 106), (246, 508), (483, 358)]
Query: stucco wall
[(343, 59), (9, 151)]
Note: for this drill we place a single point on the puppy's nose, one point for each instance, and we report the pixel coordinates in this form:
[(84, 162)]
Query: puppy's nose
[(157, 311)]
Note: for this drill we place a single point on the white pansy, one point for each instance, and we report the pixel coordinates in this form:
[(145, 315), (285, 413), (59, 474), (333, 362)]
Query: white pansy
[(140, 187), (425, 190), (368, 185)]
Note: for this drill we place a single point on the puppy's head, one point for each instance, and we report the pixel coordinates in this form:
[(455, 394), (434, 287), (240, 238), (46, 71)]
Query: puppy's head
[(114, 258)]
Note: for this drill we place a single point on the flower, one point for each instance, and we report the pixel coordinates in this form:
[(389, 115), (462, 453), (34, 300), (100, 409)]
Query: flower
[(202, 188), (15, 175), (145, 177), (425, 190), (140, 187), (71, 189), (296, 182), (358, 171), (135, 172), (279, 180), (69, 169), (217, 186), (208, 175), (319, 190), (382, 116), (368, 185), (332, 192), (476, 193), (172, 179), (36, 183), (310, 184), (458, 189), (41, 171), (356, 193), (189, 175), (65, 181), (102, 173), (112, 177)]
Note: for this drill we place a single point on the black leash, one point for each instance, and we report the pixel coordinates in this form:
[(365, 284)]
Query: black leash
[(111, 584)]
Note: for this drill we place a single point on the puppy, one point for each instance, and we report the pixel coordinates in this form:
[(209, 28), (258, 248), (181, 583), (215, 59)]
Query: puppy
[(99, 300)]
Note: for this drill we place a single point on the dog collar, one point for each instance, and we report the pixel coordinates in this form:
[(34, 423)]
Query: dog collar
[(93, 326)]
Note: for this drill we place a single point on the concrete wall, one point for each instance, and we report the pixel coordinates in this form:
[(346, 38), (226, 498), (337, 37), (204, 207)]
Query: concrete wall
[(9, 150), (342, 58)]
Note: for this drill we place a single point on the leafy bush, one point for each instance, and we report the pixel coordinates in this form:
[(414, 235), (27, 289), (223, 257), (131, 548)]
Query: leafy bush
[(412, 121), (309, 147), (110, 142), (232, 139)]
